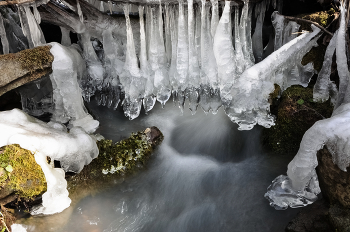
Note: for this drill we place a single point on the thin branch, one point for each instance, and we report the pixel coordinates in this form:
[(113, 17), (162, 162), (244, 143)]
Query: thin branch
[(307, 21)]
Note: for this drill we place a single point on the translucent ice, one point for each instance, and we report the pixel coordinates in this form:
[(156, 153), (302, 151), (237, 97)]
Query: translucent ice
[(65, 37), (225, 54), (341, 59), (278, 24), (214, 16), (68, 66), (257, 40), (321, 87)]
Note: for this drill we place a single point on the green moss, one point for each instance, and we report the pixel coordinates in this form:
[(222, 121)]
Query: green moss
[(26, 176), (123, 155), (113, 161), (296, 113), (323, 18)]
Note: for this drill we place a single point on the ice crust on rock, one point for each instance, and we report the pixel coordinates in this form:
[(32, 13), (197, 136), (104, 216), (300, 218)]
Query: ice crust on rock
[(73, 150)]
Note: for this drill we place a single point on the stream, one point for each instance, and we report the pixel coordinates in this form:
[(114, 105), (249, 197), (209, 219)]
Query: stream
[(205, 176)]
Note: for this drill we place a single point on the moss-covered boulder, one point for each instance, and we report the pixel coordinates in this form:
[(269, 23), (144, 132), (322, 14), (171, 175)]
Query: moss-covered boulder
[(296, 112), (114, 160), (19, 173)]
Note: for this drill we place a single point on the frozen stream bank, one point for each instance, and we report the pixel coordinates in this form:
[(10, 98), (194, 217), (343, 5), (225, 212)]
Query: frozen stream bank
[(206, 176)]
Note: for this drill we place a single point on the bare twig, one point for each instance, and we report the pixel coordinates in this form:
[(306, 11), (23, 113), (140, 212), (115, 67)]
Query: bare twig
[(307, 21)]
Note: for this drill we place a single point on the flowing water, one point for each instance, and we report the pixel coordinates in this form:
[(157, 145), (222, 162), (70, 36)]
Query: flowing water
[(205, 176)]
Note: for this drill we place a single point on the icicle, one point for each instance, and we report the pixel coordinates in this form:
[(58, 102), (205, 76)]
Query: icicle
[(102, 9), (193, 67), (257, 40), (162, 53), (290, 31), (4, 41), (80, 13), (214, 17), (167, 32), (208, 63), (245, 35), (321, 87), (238, 45), (198, 34), (35, 31), (149, 97), (173, 34), (278, 24), (342, 66), (131, 79), (36, 13), (65, 37), (95, 70), (225, 54), (110, 6), (25, 25), (157, 59), (182, 50)]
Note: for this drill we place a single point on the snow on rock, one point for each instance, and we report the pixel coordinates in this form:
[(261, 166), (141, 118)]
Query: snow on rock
[(74, 150)]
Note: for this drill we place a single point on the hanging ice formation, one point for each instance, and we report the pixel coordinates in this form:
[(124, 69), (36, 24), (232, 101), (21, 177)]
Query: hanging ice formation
[(300, 186), (193, 55)]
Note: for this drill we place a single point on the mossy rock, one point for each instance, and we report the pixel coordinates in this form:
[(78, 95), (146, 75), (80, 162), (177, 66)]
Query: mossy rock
[(296, 113), (115, 160), (20, 173)]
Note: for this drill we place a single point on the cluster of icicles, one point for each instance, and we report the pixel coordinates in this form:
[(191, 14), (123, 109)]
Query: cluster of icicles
[(188, 54)]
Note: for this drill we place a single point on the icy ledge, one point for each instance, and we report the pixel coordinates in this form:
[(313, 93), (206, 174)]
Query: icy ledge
[(74, 150), (300, 187)]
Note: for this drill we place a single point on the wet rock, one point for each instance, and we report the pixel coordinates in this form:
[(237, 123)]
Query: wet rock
[(334, 183), (340, 218), (313, 218)]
